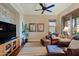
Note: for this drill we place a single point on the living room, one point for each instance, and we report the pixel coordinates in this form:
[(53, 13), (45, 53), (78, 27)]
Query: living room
[(31, 29)]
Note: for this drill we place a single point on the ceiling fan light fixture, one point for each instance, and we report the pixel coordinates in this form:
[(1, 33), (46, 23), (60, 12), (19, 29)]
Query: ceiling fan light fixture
[(44, 8)]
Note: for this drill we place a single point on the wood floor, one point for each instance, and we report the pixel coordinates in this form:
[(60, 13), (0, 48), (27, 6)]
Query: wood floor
[(33, 49)]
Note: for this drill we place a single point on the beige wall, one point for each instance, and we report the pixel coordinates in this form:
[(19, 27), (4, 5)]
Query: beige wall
[(36, 36)]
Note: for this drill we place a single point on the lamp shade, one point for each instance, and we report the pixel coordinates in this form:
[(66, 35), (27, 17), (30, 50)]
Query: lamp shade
[(77, 29), (65, 29)]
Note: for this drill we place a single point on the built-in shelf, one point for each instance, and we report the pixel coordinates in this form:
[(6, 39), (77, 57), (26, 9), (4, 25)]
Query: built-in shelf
[(8, 48)]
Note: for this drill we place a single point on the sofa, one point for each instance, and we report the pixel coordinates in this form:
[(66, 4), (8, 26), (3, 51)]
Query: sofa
[(49, 39)]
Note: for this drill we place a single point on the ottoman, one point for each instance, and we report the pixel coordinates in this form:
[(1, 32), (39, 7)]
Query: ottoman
[(54, 50)]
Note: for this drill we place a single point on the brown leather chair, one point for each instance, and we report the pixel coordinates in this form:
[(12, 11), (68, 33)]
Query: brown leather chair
[(45, 41)]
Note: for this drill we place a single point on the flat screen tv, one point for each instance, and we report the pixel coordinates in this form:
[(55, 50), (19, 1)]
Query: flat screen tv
[(7, 32)]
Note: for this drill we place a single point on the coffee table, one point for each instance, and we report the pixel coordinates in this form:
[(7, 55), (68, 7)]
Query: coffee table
[(54, 50)]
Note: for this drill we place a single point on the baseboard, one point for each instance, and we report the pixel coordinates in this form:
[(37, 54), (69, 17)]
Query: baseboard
[(34, 41)]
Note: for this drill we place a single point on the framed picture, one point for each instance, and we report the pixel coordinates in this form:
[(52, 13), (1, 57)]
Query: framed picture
[(40, 27), (32, 27)]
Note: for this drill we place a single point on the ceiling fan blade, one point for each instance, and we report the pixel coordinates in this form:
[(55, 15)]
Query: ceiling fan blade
[(41, 5), (44, 5), (49, 10), (38, 9), (50, 6), (42, 12)]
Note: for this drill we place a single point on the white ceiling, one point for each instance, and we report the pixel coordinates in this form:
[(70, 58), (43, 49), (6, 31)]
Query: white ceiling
[(28, 8)]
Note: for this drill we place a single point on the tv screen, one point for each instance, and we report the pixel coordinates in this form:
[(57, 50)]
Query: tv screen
[(7, 31)]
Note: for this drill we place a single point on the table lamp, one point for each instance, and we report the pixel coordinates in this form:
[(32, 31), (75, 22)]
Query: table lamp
[(66, 31)]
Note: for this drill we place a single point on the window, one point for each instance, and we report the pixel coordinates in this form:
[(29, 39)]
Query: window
[(73, 25), (69, 25), (52, 25), (73, 29), (77, 24)]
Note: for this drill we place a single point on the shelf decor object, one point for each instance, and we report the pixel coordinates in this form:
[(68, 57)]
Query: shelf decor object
[(40, 27), (32, 27), (8, 48)]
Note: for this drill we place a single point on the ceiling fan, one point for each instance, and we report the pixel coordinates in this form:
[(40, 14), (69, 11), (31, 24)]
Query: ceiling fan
[(44, 8)]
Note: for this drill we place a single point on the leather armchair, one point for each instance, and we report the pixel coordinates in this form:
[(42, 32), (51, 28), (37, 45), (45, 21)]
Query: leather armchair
[(45, 41)]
